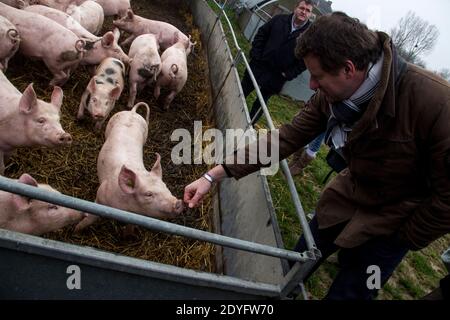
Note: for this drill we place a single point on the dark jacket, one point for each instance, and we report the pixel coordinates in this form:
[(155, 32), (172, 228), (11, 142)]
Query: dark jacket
[(398, 176), (273, 52)]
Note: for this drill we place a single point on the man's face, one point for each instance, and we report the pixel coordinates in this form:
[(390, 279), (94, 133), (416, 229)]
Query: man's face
[(335, 87), (302, 12)]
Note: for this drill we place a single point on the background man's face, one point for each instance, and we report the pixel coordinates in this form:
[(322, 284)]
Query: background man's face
[(302, 12)]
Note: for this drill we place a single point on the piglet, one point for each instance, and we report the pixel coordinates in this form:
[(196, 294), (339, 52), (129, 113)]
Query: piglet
[(9, 42), (137, 25), (114, 7), (174, 71), (96, 48), (27, 121), (145, 66), (103, 90), (89, 14), (56, 4), (125, 183), (21, 214), (19, 4), (42, 38)]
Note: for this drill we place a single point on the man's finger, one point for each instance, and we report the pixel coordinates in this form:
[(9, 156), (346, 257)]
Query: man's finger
[(195, 200), (188, 193)]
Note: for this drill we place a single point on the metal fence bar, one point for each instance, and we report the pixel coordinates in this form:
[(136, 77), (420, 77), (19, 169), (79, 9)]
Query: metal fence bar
[(293, 190), (13, 186)]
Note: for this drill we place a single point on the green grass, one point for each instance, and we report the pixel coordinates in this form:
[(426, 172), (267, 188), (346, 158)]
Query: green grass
[(418, 274)]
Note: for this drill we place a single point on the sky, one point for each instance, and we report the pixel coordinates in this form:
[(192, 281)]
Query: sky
[(385, 14)]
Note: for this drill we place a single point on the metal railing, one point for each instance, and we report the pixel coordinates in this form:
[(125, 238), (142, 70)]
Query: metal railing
[(240, 56), (13, 186)]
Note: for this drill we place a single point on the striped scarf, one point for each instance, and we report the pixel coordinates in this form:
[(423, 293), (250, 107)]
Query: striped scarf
[(344, 114)]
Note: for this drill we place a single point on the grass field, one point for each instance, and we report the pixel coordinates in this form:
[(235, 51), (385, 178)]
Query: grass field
[(418, 274)]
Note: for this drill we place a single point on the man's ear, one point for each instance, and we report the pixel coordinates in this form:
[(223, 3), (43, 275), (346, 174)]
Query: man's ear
[(349, 69)]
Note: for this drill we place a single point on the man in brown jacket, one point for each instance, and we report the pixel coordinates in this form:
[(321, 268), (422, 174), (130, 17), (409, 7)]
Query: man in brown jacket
[(387, 121)]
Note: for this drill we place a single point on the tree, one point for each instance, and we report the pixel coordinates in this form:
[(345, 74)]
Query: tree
[(414, 37), (444, 73)]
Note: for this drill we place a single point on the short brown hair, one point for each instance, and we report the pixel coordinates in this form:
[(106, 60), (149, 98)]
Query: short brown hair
[(308, 2), (336, 38)]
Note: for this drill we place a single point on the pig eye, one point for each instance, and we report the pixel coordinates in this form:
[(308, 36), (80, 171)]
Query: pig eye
[(52, 207), (41, 120), (149, 194)]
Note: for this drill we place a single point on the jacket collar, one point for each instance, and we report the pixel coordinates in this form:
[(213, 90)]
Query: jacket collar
[(383, 101)]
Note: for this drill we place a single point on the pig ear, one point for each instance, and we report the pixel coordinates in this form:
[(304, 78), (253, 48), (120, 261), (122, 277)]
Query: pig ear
[(57, 97), (130, 14), (116, 32), (127, 180), (108, 39), (156, 169), (28, 100), (23, 203), (27, 179), (176, 37), (115, 92), (91, 85)]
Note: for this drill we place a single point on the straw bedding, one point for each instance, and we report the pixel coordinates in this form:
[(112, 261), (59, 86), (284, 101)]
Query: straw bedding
[(72, 170)]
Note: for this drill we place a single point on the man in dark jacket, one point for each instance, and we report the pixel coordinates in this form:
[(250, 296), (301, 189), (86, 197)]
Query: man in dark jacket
[(272, 57), (388, 121)]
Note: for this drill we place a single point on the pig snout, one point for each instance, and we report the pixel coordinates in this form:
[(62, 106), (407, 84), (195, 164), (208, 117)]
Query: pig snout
[(178, 207), (65, 138), (98, 116)]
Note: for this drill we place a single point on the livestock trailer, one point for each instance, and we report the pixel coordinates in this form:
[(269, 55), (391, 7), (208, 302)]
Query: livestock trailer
[(252, 262)]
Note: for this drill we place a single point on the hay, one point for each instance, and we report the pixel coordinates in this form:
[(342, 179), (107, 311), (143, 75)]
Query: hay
[(72, 170)]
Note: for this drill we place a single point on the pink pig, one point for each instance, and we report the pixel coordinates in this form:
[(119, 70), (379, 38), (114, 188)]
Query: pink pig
[(137, 25), (174, 71), (96, 48), (42, 38), (56, 4), (145, 66), (19, 4), (103, 90), (27, 121), (21, 214), (89, 14), (125, 183), (9, 42), (114, 7)]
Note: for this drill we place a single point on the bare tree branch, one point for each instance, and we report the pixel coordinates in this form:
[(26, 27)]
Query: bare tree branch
[(414, 37)]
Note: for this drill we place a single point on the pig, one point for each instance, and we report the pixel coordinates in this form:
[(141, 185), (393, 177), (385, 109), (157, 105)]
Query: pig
[(9, 42), (103, 90), (137, 25), (21, 214), (19, 4), (114, 7), (125, 183), (96, 48), (89, 14), (61, 5), (173, 70), (42, 38), (27, 121), (145, 66)]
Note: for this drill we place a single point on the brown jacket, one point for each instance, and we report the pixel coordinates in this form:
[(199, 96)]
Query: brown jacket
[(398, 176)]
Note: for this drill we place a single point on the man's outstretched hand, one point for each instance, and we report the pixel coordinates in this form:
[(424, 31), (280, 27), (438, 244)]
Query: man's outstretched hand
[(194, 193)]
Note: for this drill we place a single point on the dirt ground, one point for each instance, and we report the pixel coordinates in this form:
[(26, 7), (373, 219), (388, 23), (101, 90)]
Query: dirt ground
[(72, 170)]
